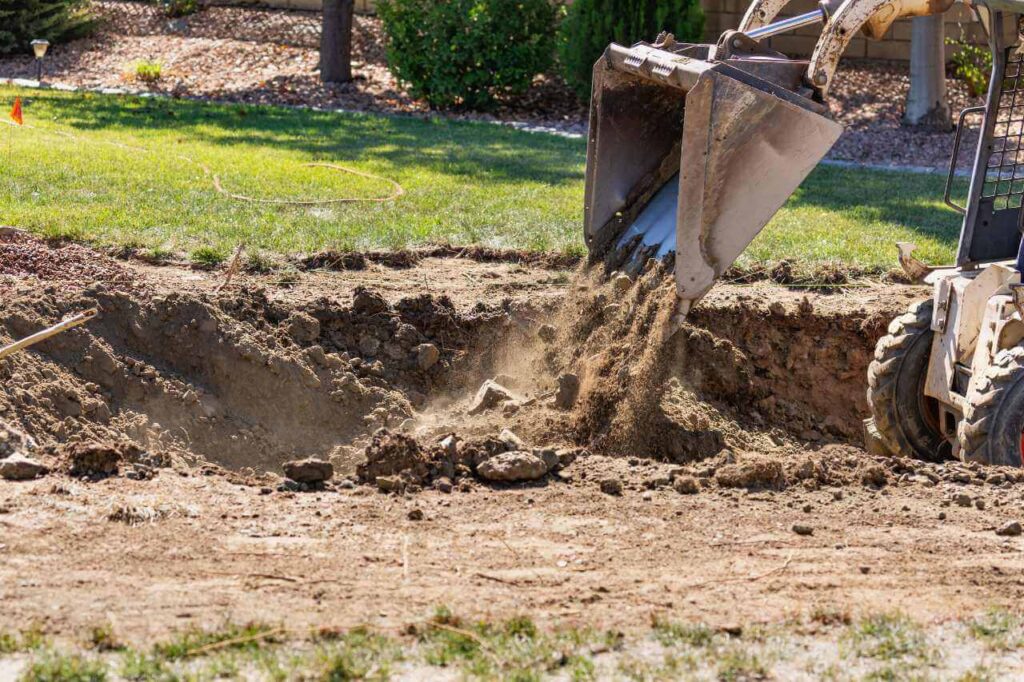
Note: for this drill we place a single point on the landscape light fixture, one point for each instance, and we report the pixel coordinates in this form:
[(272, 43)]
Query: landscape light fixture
[(40, 46)]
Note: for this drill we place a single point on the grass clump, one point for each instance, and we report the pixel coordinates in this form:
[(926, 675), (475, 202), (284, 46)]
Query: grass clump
[(147, 71), (207, 257), (358, 655), (54, 667), (514, 649), (889, 637), (192, 642), (28, 639), (998, 630), (670, 633)]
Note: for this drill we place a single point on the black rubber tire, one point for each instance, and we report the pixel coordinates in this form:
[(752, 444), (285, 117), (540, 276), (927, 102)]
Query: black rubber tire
[(896, 386), (990, 432)]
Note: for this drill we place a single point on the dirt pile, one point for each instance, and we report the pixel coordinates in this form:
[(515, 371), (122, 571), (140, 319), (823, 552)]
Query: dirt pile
[(395, 462), (237, 380)]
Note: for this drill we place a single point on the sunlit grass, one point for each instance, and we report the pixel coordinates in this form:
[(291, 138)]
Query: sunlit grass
[(138, 173)]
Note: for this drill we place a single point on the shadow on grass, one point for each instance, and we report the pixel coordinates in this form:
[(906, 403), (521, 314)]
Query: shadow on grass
[(485, 152)]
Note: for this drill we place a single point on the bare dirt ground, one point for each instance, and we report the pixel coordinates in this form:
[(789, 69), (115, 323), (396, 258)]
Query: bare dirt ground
[(716, 477), (270, 57)]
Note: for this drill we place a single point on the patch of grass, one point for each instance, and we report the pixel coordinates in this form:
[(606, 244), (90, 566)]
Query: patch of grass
[(141, 667), (511, 650), (102, 638), (147, 71), (207, 257), (998, 630), (888, 637), (28, 639), (248, 637), (54, 667), (691, 634), (737, 663), (358, 655), (258, 263), (465, 182)]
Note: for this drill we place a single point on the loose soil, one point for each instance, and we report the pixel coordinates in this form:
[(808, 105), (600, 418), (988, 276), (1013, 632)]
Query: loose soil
[(695, 452)]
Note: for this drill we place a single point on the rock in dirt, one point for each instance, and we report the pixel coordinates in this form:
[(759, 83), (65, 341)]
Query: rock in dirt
[(547, 333), (415, 514), (568, 391), (622, 283), (611, 486), (802, 529), (509, 467), (12, 440), (759, 472), (1009, 529), (686, 485), (18, 467), (511, 441), (310, 470), (302, 327), (427, 355), (490, 395), (97, 459)]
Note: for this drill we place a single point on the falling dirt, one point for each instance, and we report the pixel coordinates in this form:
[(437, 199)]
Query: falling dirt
[(657, 462)]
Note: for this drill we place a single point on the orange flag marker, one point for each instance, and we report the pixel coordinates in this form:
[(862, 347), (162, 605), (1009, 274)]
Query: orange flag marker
[(16, 112)]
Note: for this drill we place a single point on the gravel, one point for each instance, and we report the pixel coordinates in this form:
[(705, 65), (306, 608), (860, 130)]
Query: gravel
[(270, 57)]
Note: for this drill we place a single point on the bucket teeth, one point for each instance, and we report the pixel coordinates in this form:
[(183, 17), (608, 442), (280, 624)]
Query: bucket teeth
[(688, 158)]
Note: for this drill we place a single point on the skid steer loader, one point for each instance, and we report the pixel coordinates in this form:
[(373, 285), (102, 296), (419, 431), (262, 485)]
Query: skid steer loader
[(693, 148)]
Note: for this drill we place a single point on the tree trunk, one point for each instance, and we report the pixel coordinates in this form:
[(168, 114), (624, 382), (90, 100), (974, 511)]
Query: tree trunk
[(927, 104), (336, 41)]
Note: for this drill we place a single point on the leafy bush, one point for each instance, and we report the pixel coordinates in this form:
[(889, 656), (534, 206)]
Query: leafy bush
[(179, 8), (972, 64), (592, 24), (466, 53), (22, 21)]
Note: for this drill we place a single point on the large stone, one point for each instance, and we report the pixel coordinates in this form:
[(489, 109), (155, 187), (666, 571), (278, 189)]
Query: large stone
[(490, 395), (568, 391), (1010, 529), (427, 356), (509, 467), (310, 470), (511, 440), (18, 467)]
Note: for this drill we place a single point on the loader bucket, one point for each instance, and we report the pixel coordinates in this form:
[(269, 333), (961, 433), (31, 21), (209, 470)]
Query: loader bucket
[(689, 157)]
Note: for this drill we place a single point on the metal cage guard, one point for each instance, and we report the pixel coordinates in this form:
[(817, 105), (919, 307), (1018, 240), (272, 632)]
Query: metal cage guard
[(992, 223)]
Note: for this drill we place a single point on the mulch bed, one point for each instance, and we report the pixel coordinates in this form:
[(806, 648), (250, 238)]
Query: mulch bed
[(271, 58)]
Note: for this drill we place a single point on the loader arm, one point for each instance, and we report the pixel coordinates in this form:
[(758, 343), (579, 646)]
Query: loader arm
[(694, 148)]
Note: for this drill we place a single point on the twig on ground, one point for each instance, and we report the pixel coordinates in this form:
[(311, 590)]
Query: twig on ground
[(232, 267), (235, 641)]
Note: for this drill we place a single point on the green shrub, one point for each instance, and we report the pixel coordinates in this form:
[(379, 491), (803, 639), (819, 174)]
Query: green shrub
[(592, 24), (179, 8), (22, 21), (972, 64), (466, 53)]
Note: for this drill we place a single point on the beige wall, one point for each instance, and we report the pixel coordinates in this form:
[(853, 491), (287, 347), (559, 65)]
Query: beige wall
[(723, 15)]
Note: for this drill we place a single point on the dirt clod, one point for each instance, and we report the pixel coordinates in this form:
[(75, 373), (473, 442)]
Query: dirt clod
[(753, 472), (803, 529), (686, 485), (611, 486), (97, 459), (568, 391), (427, 356), (310, 470)]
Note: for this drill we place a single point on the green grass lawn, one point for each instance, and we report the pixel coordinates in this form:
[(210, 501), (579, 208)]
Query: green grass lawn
[(134, 178)]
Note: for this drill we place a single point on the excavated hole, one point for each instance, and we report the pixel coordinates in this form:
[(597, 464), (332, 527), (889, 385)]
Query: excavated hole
[(245, 382)]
